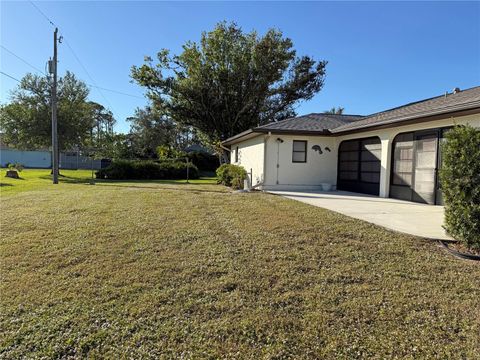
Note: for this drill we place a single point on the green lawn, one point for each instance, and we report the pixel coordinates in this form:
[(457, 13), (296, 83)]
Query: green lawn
[(151, 270), (36, 179)]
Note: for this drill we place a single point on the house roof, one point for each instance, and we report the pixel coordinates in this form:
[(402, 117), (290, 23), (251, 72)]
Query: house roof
[(333, 124), (444, 104), (314, 124), (311, 122)]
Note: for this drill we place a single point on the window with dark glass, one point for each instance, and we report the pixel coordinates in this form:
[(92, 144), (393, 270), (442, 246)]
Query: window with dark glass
[(299, 154), (236, 154)]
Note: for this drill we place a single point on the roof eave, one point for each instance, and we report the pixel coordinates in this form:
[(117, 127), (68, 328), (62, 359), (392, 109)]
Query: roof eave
[(409, 120), (293, 132), (257, 131), (237, 138)]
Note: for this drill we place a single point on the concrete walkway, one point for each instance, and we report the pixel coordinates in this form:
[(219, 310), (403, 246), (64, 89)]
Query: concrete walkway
[(407, 217)]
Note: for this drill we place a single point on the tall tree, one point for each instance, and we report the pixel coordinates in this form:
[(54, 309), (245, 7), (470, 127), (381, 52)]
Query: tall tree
[(231, 80), (116, 146), (103, 122), (26, 120), (149, 129), (335, 110)]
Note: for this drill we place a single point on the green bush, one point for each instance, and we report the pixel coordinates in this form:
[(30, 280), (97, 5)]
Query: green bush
[(165, 152), (147, 170), (204, 161), (460, 181), (16, 167), (231, 175)]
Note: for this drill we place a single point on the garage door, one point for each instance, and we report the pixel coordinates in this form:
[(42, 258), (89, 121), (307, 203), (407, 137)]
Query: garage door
[(414, 166), (359, 165)]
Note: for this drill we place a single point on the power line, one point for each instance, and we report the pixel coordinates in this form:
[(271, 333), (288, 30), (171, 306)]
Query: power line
[(91, 85), (74, 54), (117, 92), (43, 14), (88, 74), (10, 76), (22, 59)]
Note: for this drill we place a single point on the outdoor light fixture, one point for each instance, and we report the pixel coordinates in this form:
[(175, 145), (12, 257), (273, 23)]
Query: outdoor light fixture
[(317, 148)]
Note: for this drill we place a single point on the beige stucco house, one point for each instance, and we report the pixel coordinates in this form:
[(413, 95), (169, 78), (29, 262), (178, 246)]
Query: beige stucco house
[(394, 153)]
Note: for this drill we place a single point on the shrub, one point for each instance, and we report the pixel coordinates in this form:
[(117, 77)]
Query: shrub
[(231, 175), (15, 167), (178, 170), (147, 170), (460, 181), (204, 161), (165, 152)]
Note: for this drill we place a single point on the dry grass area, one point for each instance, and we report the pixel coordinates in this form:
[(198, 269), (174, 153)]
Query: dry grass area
[(133, 270)]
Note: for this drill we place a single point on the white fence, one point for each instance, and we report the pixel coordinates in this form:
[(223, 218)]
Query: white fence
[(31, 159), (43, 160)]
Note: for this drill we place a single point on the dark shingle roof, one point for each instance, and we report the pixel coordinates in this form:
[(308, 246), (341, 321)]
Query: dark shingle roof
[(319, 124), (310, 123), (463, 100)]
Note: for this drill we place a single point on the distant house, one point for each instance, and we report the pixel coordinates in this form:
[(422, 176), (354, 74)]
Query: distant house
[(393, 153), (197, 148)]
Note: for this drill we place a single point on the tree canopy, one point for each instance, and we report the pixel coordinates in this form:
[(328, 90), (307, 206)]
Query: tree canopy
[(335, 111), (26, 120), (231, 80), (150, 128)]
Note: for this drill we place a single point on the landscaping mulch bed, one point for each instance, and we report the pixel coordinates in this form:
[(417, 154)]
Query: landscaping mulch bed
[(459, 250)]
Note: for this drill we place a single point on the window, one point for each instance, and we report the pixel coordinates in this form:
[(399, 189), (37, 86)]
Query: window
[(236, 154), (299, 154)]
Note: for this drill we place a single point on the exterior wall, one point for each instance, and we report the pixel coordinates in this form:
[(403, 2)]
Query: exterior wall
[(250, 156), (31, 159), (387, 135), (319, 168), (262, 154)]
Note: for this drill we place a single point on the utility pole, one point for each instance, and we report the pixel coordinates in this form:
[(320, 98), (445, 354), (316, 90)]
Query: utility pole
[(53, 69)]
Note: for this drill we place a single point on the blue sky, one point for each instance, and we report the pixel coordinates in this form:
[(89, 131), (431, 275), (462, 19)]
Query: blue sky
[(381, 54)]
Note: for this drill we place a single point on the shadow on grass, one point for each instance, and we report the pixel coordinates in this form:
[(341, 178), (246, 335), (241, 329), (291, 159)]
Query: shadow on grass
[(67, 179), (159, 181), (4, 184), (117, 184), (19, 178)]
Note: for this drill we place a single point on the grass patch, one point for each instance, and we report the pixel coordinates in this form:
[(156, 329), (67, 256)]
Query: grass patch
[(40, 179), (37, 179), (151, 270)]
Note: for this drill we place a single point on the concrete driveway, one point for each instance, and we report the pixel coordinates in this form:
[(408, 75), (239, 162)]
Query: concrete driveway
[(407, 217)]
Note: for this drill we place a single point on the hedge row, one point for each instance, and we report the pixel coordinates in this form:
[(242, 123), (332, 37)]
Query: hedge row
[(147, 170), (204, 161)]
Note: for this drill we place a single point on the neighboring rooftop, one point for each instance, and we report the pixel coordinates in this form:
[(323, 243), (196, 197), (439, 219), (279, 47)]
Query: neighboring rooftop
[(450, 102)]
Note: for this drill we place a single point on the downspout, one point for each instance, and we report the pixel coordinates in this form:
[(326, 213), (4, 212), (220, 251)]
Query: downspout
[(278, 159)]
